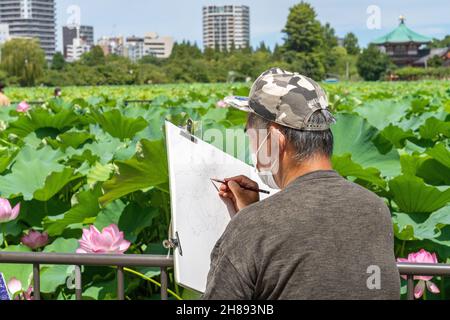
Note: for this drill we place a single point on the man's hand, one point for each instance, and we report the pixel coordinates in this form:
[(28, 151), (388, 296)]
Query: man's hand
[(234, 191)]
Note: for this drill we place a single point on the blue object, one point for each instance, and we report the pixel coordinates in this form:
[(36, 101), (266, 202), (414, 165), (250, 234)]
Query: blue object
[(4, 294), (331, 80)]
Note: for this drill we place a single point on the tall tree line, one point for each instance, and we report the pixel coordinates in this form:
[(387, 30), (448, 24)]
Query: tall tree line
[(308, 47)]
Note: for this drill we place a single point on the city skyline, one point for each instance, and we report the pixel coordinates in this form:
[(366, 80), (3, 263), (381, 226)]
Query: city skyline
[(183, 20)]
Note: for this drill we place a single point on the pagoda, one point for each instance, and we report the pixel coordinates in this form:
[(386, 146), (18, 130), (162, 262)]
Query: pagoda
[(403, 45)]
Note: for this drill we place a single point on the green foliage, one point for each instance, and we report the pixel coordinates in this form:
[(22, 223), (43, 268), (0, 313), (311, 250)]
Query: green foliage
[(94, 57), (303, 31), (372, 64), (88, 159), (147, 169), (413, 73), (117, 125), (23, 59), (444, 43), (306, 40), (58, 61), (351, 44)]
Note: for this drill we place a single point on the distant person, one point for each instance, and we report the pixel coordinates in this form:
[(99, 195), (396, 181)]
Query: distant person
[(4, 101), (57, 93)]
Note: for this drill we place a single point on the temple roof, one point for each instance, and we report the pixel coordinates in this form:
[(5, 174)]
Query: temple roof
[(402, 34)]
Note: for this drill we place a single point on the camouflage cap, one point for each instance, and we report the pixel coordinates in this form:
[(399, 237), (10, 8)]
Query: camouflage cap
[(286, 98)]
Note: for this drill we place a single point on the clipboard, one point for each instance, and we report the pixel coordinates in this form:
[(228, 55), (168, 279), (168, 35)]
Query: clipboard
[(199, 215)]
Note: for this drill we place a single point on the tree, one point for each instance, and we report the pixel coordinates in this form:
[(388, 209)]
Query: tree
[(95, 57), (329, 35), (262, 47), (23, 59), (372, 63), (305, 41), (330, 58), (351, 44), (345, 66), (277, 52), (58, 61), (303, 31), (185, 50), (444, 43), (435, 62)]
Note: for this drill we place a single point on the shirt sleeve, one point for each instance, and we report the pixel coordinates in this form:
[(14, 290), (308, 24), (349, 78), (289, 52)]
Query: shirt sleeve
[(225, 282)]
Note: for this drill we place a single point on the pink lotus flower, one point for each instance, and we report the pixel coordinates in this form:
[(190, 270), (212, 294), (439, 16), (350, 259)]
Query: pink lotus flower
[(422, 256), (15, 288), (23, 107), (35, 239), (110, 240), (221, 104), (6, 212)]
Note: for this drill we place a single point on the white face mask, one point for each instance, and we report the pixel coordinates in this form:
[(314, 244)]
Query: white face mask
[(266, 175)]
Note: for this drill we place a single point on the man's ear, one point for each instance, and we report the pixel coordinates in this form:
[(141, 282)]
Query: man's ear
[(280, 137), (283, 143)]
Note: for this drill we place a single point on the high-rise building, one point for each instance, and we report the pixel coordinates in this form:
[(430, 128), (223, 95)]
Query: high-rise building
[(226, 26), (85, 33), (31, 19), (134, 48), (159, 47), (4, 32)]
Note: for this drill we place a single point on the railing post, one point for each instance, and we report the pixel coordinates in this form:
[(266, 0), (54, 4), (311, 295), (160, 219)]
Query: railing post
[(78, 283), (410, 287), (36, 282), (164, 284), (120, 284)]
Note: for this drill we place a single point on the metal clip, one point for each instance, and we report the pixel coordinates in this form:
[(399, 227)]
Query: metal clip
[(173, 243), (189, 131)]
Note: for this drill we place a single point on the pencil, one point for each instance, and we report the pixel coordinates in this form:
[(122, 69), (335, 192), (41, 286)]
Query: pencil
[(246, 188)]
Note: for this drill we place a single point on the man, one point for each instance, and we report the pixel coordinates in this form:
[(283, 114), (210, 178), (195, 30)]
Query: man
[(321, 236), (4, 101)]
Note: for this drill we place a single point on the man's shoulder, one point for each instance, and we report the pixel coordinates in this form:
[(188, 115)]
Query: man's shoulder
[(355, 190)]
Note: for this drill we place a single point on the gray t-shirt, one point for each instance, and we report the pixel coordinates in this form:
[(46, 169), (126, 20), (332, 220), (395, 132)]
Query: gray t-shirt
[(323, 237)]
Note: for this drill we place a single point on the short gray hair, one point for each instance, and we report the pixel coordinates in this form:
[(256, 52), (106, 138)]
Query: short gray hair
[(306, 144)]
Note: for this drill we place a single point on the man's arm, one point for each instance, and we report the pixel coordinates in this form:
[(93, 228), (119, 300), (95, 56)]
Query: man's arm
[(225, 281), (234, 189)]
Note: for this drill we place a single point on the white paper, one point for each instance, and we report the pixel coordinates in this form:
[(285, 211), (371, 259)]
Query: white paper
[(199, 216)]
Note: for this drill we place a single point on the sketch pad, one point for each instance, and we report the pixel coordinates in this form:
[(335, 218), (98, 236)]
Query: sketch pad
[(199, 216)]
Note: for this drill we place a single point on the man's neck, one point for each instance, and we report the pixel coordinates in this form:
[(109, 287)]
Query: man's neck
[(297, 170)]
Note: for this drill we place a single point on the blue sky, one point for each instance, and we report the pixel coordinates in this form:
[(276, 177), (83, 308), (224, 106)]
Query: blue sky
[(182, 19)]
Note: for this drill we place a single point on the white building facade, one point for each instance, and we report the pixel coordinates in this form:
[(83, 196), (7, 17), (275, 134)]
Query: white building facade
[(226, 26), (134, 48), (159, 47), (77, 49), (4, 33)]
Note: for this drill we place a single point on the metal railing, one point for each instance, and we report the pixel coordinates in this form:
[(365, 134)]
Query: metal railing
[(127, 102), (163, 262), (78, 260), (31, 103), (420, 269)]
